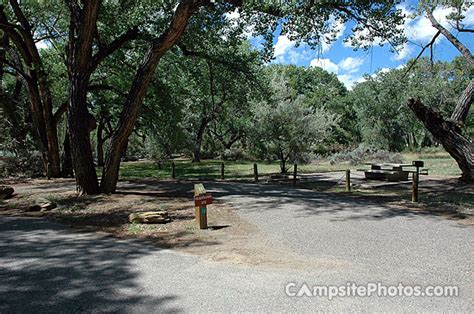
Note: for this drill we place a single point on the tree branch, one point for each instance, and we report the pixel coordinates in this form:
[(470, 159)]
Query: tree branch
[(117, 43), (59, 113), (20, 16), (463, 105), (430, 44), (456, 43)]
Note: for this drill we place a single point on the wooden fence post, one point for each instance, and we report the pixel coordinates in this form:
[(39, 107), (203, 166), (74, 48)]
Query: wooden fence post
[(255, 173), (222, 171), (201, 200), (295, 172), (173, 170), (348, 180), (414, 194)]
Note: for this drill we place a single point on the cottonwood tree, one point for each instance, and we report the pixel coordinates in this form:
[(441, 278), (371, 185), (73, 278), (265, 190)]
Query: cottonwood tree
[(22, 55), (449, 131), (286, 127), (94, 33)]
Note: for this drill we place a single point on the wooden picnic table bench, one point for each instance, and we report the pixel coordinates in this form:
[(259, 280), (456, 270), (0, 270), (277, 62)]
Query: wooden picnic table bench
[(392, 171)]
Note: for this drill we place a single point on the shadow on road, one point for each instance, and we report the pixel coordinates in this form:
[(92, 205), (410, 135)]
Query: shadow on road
[(46, 269), (339, 205)]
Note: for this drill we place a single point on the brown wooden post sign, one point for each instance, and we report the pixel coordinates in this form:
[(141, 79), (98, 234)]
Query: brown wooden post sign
[(348, 180), (255, 173), (416, 179), (201, 200), (295, 173)]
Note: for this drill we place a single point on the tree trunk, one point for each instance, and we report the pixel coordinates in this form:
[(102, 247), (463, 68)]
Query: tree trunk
[(197, 153), (78, 120), (80, 64), (282, 163), (67, 167), (449, 135), (198, 144), (45, 129), (463, 105), (37, 84), (138, 90), (100, 143)]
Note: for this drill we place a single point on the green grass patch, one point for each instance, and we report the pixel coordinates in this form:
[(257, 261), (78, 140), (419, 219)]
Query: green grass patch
[(439, 164)]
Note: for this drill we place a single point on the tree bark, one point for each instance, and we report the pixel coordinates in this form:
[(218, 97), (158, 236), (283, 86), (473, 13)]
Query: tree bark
[(81, 35), (463, 105), (452, 39), (37, 86), (100, 143), (78, 117), (282, 163), (139, 88), (449, 132), (67, 167), (198, 143), (449, 135)]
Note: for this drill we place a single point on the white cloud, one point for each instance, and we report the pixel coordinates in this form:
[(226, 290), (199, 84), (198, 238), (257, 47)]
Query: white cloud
[(420, 29), (325, 64), (282, 45), (350, 64), (363, 34), (380, 71), (469, 16), (234, 21), (346, 70), (349, 79), (339, 29), (404, 53)]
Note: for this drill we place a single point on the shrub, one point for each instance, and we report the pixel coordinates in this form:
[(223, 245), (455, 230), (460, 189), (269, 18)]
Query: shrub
[(365, 154), (27, 166)]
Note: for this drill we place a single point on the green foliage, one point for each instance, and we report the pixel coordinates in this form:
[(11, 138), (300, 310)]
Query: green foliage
[(286, 127), (383, 117), (364, 154)]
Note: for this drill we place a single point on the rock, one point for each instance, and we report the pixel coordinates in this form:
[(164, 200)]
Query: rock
[(34, 208), (157, 217), (42, 204), (6, 191)]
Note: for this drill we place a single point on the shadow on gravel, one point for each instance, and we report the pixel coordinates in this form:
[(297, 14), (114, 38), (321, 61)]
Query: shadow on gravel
[(339, 206), (46, 269)]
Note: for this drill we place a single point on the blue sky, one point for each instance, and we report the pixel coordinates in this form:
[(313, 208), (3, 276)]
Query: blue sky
[(350, 65)]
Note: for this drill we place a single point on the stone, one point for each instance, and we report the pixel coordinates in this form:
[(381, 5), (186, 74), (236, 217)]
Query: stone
[(157, 217), (34, 208), (42, 204), (6, 191)]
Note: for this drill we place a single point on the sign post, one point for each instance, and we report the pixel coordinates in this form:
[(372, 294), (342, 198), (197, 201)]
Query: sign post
[(201, 200), (348, 180), (416, 179)]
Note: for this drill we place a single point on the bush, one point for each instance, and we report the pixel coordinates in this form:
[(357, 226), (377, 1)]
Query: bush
[(26, 166), (234, 154), (365, 154)]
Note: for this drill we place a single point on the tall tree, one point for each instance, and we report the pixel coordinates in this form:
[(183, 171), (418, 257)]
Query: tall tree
[(25, 59), (286, 127), (449, 132), (86, 51)]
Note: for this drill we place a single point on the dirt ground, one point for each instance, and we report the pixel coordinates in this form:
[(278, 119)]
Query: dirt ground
[(229, 238)]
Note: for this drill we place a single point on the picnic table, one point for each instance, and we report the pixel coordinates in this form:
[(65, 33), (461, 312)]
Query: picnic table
[(392, 171)]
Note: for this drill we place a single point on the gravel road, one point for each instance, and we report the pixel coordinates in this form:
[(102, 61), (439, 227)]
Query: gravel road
[(46, 267)]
